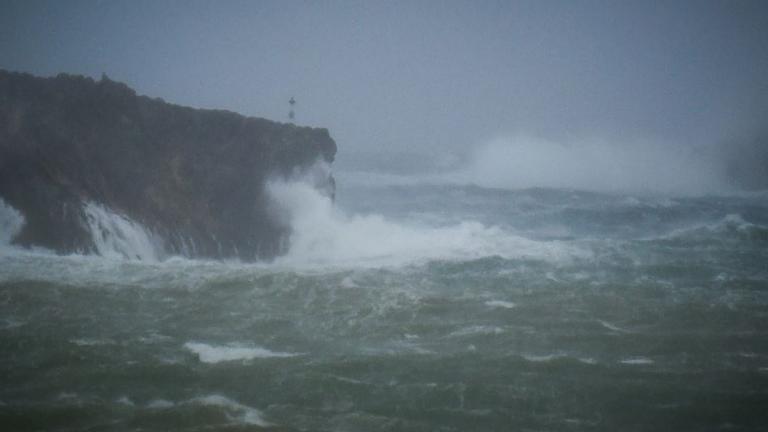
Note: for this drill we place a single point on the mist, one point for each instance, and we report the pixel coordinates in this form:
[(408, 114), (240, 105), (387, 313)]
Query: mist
[(384, 215), (524, 162), (438, 81)]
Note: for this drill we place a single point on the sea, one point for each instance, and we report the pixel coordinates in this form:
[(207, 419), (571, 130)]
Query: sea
[(404, 306)]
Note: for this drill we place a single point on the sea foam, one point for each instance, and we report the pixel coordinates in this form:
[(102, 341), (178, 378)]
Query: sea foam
[(636, 361), (235, 410), (323, 235), (11, 222), (116, 236), (500, 304), (224, 353)]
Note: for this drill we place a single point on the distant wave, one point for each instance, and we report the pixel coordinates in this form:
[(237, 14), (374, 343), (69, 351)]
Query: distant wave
[(592, 165), (224, 353), (235, 412), (730, 226), (500, 304), (521, 162)]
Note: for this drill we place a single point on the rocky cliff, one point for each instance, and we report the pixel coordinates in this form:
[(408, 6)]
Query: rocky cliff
[(84, 160)]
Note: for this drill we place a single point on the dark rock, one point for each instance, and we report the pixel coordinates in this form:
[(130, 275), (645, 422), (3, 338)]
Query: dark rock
[(190, 176)]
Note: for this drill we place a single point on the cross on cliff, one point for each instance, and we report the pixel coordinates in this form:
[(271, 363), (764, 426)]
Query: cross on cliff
[(291, 115)]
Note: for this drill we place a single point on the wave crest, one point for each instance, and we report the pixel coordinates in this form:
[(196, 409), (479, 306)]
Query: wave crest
[(323, 235)]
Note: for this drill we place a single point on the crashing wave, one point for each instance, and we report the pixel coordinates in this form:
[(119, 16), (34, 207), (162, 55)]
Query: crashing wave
[(11, 222), (116, 236), (322, 234)]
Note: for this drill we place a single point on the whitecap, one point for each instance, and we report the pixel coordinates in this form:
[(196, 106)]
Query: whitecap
[(90, 342), (223, 353), (160, 404), (543, 358), (557, 356), (10, 323), (500, 304), (236, 411), (348, 380), (477, 330), (67, 396), (636, 361), (125, 400), (610, 326)]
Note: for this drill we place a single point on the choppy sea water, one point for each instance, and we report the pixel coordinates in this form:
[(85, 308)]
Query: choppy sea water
[(410, 308)]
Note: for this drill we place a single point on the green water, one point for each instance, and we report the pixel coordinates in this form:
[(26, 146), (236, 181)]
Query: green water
[(550, 311)]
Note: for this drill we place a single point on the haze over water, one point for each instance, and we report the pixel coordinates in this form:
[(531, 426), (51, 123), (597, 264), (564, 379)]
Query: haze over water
[(548, 217)]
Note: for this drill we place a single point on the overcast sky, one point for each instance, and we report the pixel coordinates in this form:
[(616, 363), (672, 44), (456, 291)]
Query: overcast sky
[(393, 76)]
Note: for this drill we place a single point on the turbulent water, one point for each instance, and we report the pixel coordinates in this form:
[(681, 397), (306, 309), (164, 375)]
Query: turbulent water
[(405, 308)]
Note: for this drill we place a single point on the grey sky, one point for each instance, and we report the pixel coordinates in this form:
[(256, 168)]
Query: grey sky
[(395, 76)]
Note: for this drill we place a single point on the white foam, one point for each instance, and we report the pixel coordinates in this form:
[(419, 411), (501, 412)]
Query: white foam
[(91, 342), (125, 400), (729, 223), (543, 358), (69, 397), (216, 354), (160, 404), (500, 304), (323, 235), (396, 348), (477, 330), (11, 222), (347, 380), (637, 361), (552, 357), (116, 236), (9, 323), (236, 411), (610, 326)]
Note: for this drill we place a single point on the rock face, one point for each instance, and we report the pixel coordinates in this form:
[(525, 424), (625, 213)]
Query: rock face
[(71, 147)]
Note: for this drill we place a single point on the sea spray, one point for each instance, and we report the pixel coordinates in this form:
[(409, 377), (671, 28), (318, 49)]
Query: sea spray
[(322, 234), (523, 162), (651, 331), (116, 236), (11, 222)]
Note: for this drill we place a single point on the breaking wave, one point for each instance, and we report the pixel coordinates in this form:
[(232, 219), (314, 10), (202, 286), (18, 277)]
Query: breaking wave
[(116, 236), (11, 222), (323, 235), (217, 354), (730, 227)]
